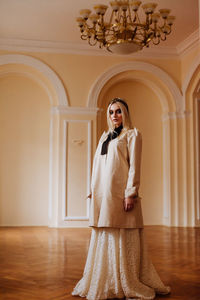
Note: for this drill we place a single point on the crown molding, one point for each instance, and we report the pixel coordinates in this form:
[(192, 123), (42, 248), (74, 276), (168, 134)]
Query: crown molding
[(82, 48), (192, 41), (79, 48)]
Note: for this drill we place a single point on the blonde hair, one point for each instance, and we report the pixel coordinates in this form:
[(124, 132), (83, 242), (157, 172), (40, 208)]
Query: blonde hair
[(126, 120)]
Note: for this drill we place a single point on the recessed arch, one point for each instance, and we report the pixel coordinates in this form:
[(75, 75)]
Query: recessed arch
[(29, 67), (43, 69), (192, 87), (137, 66), (190, 73), (171, 101), (192, 99), (32, 77), (130, 75)]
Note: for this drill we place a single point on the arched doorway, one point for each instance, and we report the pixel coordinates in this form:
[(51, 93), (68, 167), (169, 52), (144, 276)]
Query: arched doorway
[(42, 84), (192, 104), (170, 98)]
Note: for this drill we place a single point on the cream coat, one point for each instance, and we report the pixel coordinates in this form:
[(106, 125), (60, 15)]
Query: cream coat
[(116, 175)]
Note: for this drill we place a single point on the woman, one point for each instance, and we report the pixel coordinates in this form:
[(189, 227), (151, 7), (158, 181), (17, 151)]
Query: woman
[(117, 265)]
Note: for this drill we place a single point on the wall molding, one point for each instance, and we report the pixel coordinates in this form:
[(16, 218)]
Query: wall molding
[(195, 64), (176, 115), (191, 42), (137, 66), (60, 109), (32, 77), (197, 101), (82, 48), (64, 171), (42, 68)]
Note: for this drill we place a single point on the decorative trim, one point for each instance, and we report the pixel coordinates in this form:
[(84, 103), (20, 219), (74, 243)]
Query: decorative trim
[(166, 176), (190, 73), (76, 219), (189, 43), (184, 114), (176, 115), (50, 197), (64, 169), (138, 66), (82, 48), (42, 68), (89, 165), (89, 153), (60, 109), (198, 161), (32, 77)]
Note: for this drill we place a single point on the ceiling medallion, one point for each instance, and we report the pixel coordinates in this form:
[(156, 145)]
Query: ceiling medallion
[(123, 32)]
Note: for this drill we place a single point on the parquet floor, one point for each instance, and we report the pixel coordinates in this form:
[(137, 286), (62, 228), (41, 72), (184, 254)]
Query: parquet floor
[(45, 264)]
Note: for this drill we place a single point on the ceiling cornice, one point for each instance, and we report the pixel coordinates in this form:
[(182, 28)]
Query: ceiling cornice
[(189, 43), (82, 48)]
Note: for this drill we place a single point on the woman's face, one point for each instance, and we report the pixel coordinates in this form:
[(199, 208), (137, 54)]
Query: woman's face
[(115, 115)]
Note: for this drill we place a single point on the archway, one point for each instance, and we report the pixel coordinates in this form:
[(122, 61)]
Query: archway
[(38, 72), (171, 101), (192, 104)]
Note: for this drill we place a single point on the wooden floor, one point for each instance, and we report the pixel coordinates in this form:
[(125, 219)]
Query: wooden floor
[(42, 263)]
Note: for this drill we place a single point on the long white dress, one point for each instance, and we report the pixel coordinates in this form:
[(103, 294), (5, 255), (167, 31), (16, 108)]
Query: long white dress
[(117, 264)]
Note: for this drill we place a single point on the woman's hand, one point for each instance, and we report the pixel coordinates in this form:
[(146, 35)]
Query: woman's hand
[(129, 203)]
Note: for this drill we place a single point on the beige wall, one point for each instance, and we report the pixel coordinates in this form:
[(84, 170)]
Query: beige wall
[(79, 72), (73, 136), (24, 152)]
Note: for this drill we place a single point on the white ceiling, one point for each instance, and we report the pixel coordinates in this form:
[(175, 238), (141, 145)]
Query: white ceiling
[(55, 20)]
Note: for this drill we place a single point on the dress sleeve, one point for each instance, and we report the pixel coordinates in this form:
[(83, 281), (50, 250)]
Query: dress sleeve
[(134, 141)]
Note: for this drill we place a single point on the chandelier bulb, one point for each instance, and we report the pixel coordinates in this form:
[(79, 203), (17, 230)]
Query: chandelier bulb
[(85, 13), (149, 7), (164, 12), (155, 17), (170, 20), (100, 9), (135, 5), (93, 18), (115, 5), (80, 21)]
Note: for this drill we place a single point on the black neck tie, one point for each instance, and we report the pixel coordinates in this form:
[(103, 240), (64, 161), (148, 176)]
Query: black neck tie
[(111, 136)]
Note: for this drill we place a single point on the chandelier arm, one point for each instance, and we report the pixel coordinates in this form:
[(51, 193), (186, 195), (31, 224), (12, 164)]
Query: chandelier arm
[(101, 20), (137, 17), (134, 18), (111, 17), (156, 43), (84, 37), (101, 45), (124, 19), (150, 19), (118, 16), (163, 38), (102, 32), (170, 30), (90, 43), (129, 14), (147, 22)]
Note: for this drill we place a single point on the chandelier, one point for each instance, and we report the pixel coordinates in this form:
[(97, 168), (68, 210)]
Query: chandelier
[(123, 32)]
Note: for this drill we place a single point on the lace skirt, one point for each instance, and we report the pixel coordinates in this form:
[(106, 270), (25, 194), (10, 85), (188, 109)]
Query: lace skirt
[(118, 266)]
